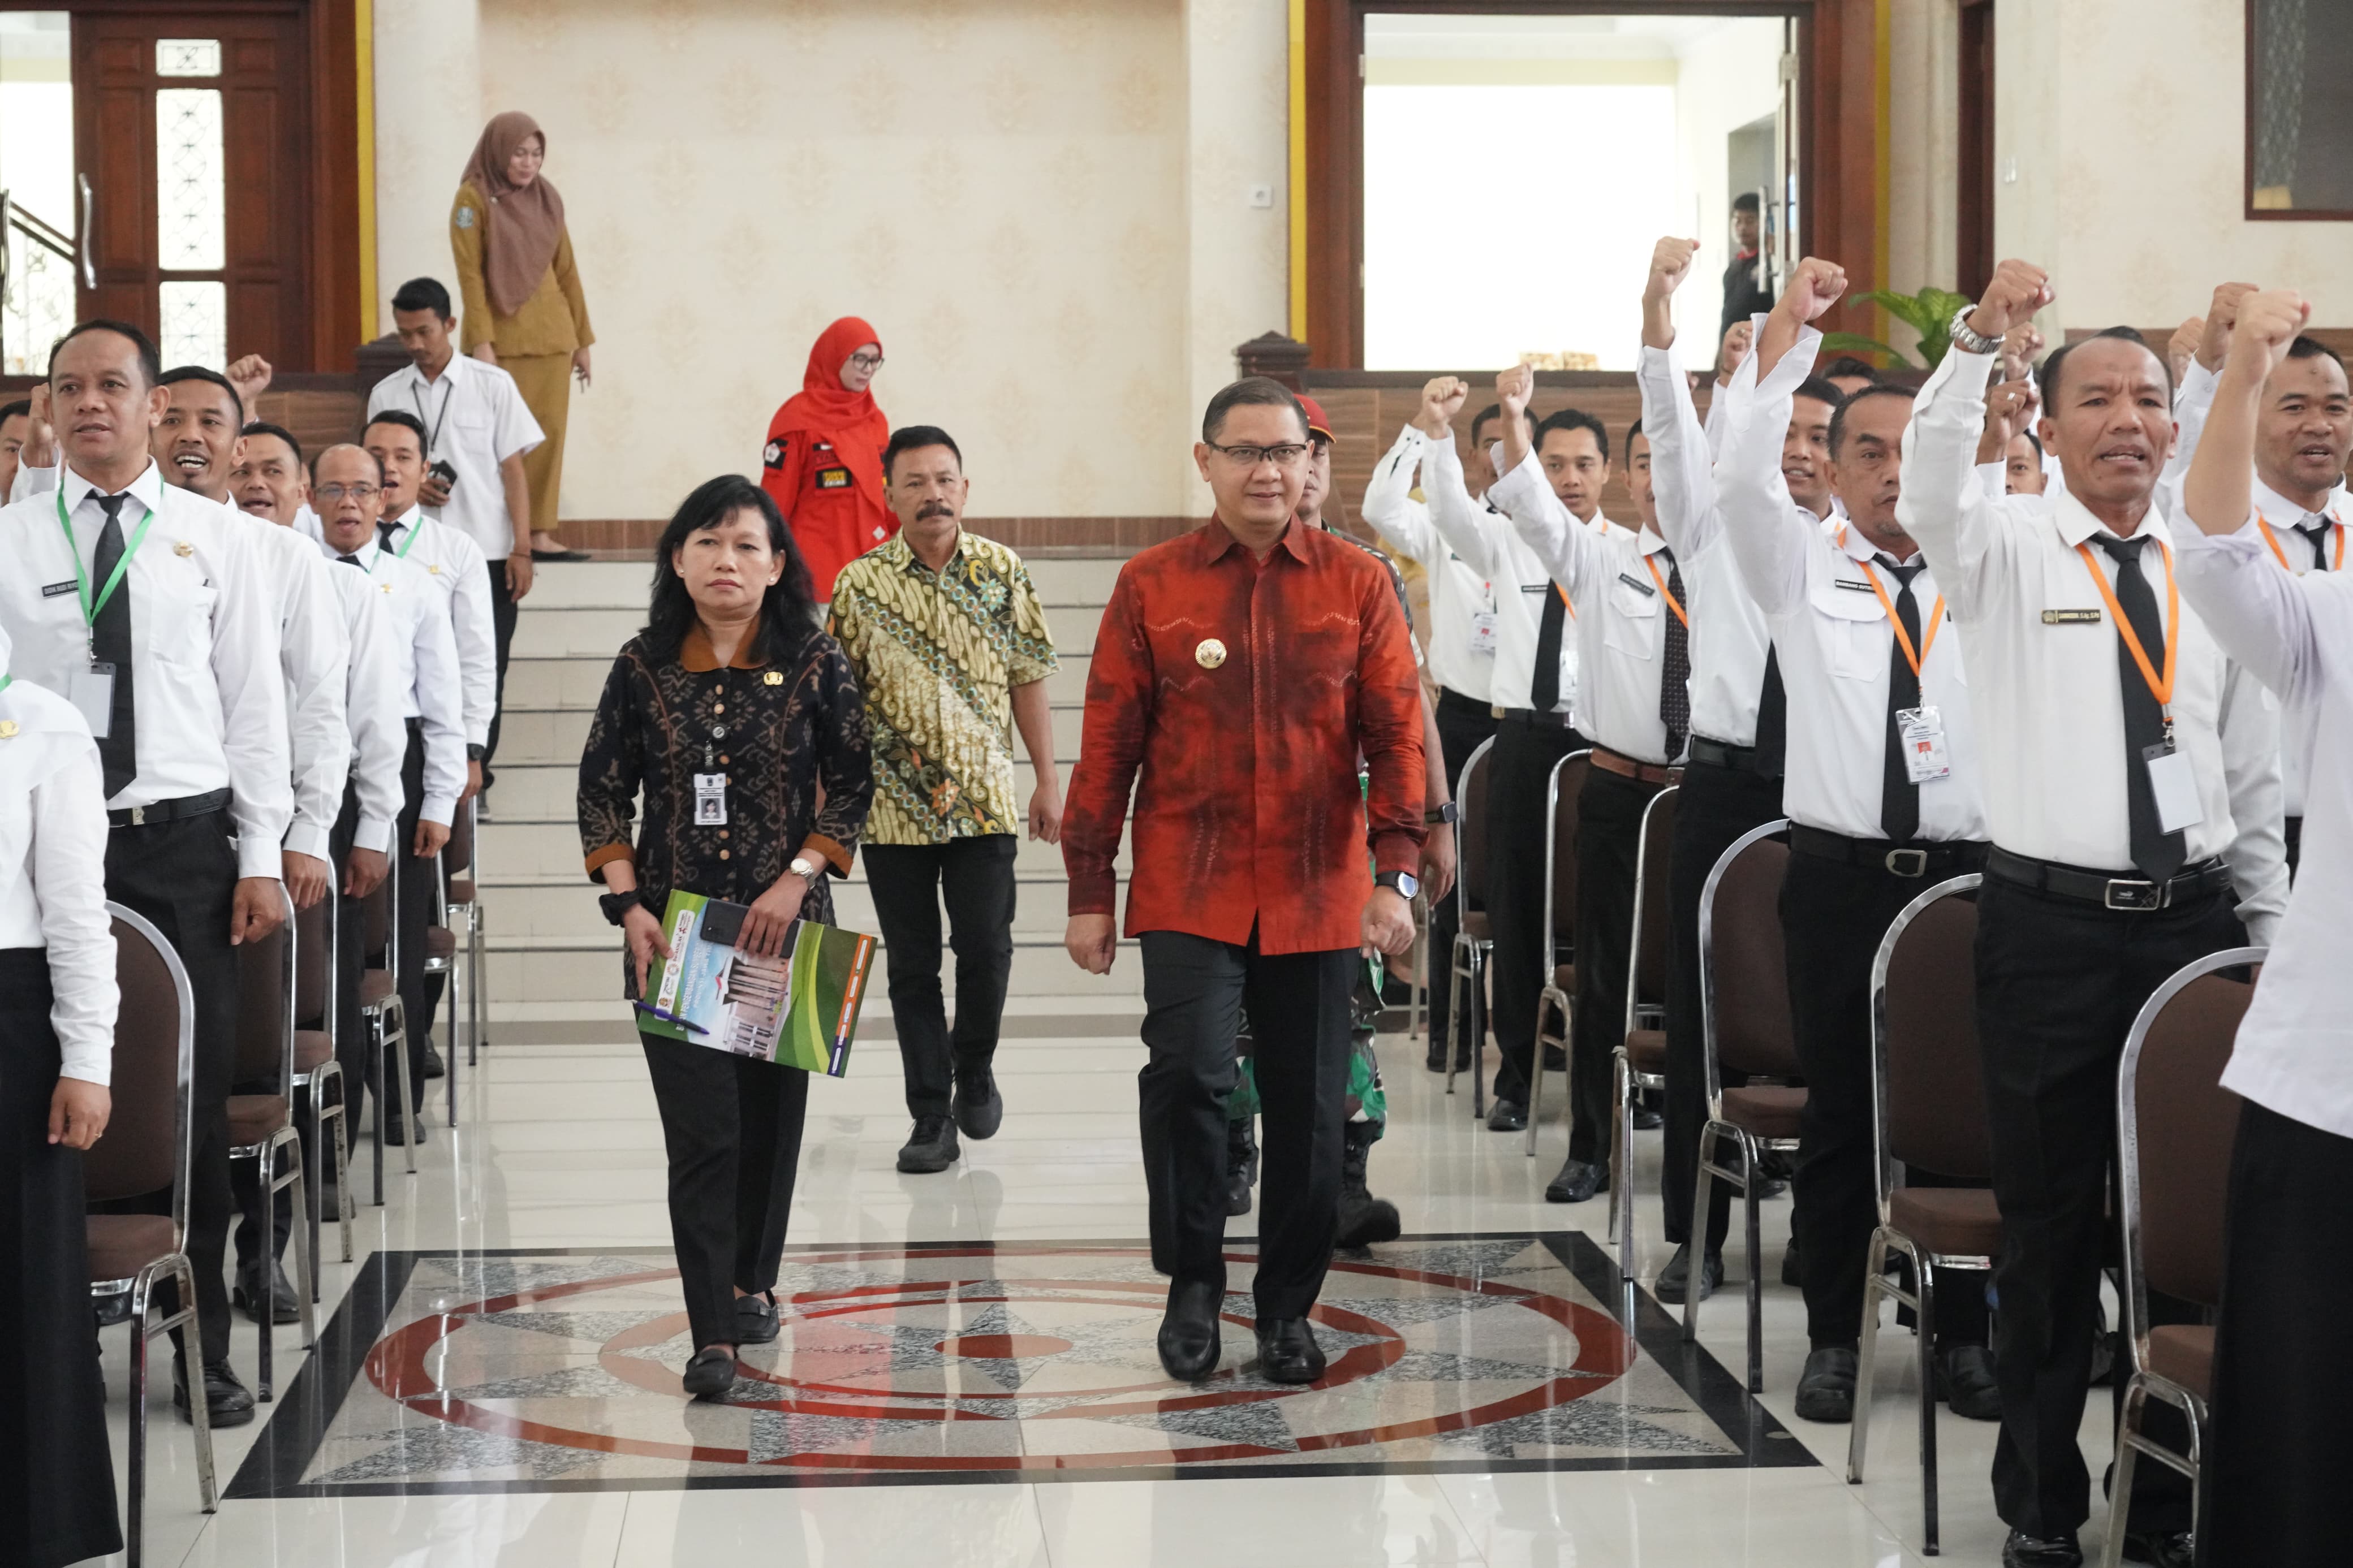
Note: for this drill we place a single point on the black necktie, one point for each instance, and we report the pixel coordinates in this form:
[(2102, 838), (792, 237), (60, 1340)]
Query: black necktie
[(2158, 854), (1772, 718), (353, 560), (2315, 529), (110, 643), (387, 535), (1899, 797), (1544, 688), (1674, 678)]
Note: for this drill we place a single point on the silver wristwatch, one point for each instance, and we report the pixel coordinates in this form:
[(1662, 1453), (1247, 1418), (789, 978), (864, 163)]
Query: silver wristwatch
[(805, 869), (1966, 340)]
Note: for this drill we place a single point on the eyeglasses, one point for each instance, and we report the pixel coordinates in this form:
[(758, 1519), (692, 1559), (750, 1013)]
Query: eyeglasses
[(331, 494), (1287, 455), (869, 363)]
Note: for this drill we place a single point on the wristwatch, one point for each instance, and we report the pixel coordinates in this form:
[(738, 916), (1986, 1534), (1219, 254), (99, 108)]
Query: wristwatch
[(616, 905), (807, 870), (475, 753), (1404, 884), (1968, 342), (1450, 812)]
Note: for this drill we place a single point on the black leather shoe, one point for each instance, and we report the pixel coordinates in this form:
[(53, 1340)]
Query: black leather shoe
[(931, 1148), (1646, 1119), (1826, 1388), (567, 553), (1556, 1059), (1964, 1379), (1675, 1278), (1189, 1329), (756, 1320), (710, 1373), (227, 1402), (1434, 1058), (2024, 1550), (396, 1131), (2164, 1549), (1579, 1180), (434, 1066), (1507, 1116), (111, 1309), (249, 1296), (1287, 1350), (977, 1107), (1793, 1271)]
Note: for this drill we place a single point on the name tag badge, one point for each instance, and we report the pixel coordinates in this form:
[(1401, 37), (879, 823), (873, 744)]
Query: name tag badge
[(56, 590), (1638, 584), (710, 800), (1857, 587), (1925, 759), (92, 691), (2174, 787), (1482, 631), (2070, 618)]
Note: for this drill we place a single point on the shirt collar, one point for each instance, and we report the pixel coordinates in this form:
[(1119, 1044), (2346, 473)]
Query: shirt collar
[(366, 554), (2281, 513), (148, 487), (413, 518), (912, 563), (453, 372), (2076, 524), (1216, 539), (697, 655)]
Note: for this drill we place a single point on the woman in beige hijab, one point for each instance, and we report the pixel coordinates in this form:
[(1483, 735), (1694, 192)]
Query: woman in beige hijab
[(522, 309)]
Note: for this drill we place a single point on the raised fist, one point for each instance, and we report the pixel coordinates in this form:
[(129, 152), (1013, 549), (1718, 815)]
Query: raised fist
[(251, 376), (2009, 408), (1812, 288), (2267, 322), (2214, 343), (1514, 387), (2018, 347), (2019, 290), (1441, 399), (2183, 346), (1670, 263), (1736, 339)]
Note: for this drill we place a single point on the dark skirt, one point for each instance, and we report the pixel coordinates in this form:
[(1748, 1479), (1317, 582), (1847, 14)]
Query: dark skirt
[(57, 1479)]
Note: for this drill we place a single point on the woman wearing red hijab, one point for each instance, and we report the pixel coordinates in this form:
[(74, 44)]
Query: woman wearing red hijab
[(823, 464)]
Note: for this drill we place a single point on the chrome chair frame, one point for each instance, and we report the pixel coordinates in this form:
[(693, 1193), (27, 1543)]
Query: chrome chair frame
[(176, 1265), (2145, 1384), (471, 936), (386, 1022), (1876, 1282), (1467, 970), (1552, 1002), (315, 1081), (1749, 1145), (434, 963), (273, 1179), (1623, 1079)]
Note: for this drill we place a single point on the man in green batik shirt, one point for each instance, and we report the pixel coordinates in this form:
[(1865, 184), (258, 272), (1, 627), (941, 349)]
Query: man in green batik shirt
[(950, 645)]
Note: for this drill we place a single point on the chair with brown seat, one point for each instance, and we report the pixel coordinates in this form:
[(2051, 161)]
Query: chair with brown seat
[(384, 1019), (316, 1068), (2176, 1129), (145, 1150), (1928, 1097), (1744, 1009), (1640, 1059), (261, 1126), (1559, 997), (1474, 941)]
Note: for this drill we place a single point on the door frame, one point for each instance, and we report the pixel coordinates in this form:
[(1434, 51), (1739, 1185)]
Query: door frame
[(1839, 138)]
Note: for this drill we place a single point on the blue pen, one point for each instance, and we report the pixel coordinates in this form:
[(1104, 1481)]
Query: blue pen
[(651, 1011)]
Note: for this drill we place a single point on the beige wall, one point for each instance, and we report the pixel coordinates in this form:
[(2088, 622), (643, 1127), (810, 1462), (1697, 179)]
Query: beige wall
[(1923, 137), (1041, 204)]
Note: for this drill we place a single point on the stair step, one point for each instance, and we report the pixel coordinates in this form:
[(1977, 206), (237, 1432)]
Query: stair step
[(555, 737), (550, 848), (549, 792), (579, 971), (565, 907), (1073, 582)]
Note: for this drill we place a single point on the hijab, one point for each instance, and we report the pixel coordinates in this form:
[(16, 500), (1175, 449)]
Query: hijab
[(856, 429), (523, 224)]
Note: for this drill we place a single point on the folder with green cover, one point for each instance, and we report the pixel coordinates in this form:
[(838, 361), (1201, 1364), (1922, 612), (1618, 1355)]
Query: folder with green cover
[(799, 1008)]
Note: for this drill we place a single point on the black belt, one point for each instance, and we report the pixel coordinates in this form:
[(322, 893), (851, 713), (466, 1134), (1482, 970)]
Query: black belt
[(1716, 755), (1542, 720), (1453, 701), (187, 806), (2101, 888), (1943, 858)]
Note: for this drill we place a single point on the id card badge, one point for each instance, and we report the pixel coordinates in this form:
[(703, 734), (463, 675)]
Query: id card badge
[(92, 691), (1925, 759), (2173, 787), (1482, 631), (710, 800)]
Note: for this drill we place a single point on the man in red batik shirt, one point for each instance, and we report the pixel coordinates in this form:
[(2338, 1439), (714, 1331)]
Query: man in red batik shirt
[(1240, 674)]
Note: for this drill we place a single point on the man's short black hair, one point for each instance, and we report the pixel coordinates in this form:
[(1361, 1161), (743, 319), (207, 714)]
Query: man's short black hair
[(338, 447), (151, 363), (263, 428), (1632, 431), (2305, 346), (1256, 391), (1821, 389), (2034, 441), (1574, 419), (179, 373), (1861, 394), (1847, 365), (23, 405), (2046, 377), (424, 294), (400, 417), (911, 437), (1495, 411), (1745, 202)]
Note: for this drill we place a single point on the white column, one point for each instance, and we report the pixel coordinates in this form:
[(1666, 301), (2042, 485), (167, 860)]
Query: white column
[(428, 114)]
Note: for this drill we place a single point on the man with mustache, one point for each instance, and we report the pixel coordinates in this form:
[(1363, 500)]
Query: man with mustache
[(952, 650), (2132, 793)]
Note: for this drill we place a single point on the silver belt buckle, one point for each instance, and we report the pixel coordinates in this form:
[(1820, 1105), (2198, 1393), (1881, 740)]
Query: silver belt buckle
[(1908, 862), (138, 817), (2123, 894)]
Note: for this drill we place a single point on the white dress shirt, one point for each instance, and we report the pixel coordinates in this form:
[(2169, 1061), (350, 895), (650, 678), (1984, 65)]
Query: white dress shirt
[(53, 867), (1488, 543), (1730, 643), (210, 695), (425, 657), (2050, 710), (474, 420), (2293, 1054), (1616, 581), (1463, 621), (314, 654), (455, 564), (375, 702), (1837, 642)]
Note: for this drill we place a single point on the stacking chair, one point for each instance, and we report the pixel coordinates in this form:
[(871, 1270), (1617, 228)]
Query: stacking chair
[(315, 1067), (1560, 1000), (2176, 1129), (461, 907), (1743, 1008), (442, 959), (1474, 939), (261, 1126), (1928, 1099), (384, 1019), (145, 1150), (1640, 1059)]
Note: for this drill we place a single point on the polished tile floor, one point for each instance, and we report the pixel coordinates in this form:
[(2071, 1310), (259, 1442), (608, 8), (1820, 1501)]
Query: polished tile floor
[(967, 1375)]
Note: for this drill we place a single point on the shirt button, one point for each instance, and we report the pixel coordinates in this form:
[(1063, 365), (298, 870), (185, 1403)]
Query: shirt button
[(723, 854), (722, 761), (723, 833), (718, 708)]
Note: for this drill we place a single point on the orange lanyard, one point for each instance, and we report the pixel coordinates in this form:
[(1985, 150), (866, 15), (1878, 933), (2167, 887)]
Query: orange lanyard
[(1903, 638), (2272, 539), (1672, 603), (1564, 601), (2161, 690)]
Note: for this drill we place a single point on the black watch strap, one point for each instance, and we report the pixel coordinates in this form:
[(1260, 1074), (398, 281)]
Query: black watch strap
[(616, 905)]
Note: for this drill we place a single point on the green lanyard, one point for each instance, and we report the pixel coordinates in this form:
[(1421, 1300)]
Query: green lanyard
[(410, 543), (89, 610), (7, 681)]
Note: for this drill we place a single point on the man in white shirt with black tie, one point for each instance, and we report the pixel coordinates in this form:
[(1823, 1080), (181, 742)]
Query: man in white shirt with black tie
[(2132, 790), (1882, 794), (190, 715)]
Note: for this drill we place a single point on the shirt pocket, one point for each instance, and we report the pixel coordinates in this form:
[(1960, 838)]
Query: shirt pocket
[(179, 615), (1632, 624), (1847, 626)]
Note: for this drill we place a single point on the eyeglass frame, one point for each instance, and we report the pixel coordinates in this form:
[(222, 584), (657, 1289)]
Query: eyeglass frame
[(1249, 456), (332, 494), (868, 362)]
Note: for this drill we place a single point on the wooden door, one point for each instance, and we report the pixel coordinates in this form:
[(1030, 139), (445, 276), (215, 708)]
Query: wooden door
[(1973, 267)]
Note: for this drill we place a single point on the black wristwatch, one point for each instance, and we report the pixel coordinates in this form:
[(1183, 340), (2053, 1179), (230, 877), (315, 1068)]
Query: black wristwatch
[(1450, 812), (475, 753), (1404, 884), (616, 905)]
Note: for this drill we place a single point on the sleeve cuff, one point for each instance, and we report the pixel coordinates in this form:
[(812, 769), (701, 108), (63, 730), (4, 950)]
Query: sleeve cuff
[(832, 853), (258, 857), (1395, 849), (1094, 894), (603, 857), (307, 839), (1994, 479), (373, 833), (439, 809), (90, 1064)]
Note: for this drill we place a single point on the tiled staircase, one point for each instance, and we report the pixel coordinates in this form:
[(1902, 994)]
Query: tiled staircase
[(551, 954)]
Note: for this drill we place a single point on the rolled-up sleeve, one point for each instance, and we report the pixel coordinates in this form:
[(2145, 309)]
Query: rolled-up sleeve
[(612, 765), (1111, 747), (1389, 722), (69, 857)]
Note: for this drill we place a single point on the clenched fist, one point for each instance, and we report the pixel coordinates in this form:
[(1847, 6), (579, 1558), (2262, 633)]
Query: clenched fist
[(2019, 290), (1514, 387), (1441, 399), (1670, 263), (1812, 288), (2214, 343), (1737, 340), (2268, 321)]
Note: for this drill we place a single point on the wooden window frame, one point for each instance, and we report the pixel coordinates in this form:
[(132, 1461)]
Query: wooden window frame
[(2254, 213)]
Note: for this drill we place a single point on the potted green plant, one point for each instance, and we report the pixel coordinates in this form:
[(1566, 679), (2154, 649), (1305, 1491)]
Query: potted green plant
[(1929, 313)]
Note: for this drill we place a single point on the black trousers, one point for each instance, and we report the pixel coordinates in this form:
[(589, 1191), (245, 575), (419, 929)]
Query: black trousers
[(182, 874), (2059, 983), (1609, 843), (1834, 917), (1194, 993), (731, 1126), (2294, 830), (1463, 722), (503, 627), (2280, 1450), (1518, 769), (1714, 806), (351, 957), (975, 875), (420, 894)]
